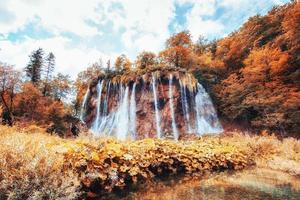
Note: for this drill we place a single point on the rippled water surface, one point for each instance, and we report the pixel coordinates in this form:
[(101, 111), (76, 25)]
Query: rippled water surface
[(251, 184)]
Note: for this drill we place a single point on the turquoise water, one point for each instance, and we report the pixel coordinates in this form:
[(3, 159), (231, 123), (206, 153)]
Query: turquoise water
[(251, 184)]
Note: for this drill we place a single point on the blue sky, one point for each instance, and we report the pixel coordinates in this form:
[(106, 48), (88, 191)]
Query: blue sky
[(83, 31)]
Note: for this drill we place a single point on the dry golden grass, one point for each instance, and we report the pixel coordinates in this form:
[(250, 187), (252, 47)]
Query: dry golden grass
[(31, 170), (34, 165)]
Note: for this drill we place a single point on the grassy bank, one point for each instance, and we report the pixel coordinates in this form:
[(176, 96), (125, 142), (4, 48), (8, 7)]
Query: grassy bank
[(36, 165)]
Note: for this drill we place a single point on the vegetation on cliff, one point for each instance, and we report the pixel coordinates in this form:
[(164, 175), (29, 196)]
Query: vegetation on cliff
[(252, 74)]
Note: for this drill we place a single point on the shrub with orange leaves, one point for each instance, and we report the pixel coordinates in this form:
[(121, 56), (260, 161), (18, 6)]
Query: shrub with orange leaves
[(39, 166)]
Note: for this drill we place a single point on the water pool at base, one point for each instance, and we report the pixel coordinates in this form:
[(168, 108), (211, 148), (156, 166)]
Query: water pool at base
[(252, 184)]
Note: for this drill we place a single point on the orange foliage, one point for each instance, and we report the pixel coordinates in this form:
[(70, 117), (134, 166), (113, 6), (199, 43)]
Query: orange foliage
[(261, 86), (146, 59), (182, 39), (177, 56), (31, 105)]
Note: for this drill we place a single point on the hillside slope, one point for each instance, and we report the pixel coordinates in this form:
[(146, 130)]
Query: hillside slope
[(258, 83)]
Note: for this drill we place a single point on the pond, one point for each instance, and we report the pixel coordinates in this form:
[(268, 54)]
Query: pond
[(250, 184)]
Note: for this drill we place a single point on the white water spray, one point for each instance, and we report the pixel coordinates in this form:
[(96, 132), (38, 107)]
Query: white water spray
[(105, 106), (185, 106), (174, 127), (132, 112), (83, 105), (95, 127), (123, 117), (157, 115), (206, 116), (119, 118)]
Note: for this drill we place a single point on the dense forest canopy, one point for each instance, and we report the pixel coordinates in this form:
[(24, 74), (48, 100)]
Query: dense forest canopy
[(252, 75)]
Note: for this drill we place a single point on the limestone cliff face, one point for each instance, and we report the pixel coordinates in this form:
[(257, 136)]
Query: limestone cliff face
[(133, 109)]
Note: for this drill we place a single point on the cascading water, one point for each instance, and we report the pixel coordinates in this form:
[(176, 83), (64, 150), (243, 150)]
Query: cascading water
[(105, 106), (97, 119), (123, 112), (206, 116), (174, 127), (123, 117), (187, 112), (83, 105), (104, 116), (185, 106), (132, 112), (157, 116)]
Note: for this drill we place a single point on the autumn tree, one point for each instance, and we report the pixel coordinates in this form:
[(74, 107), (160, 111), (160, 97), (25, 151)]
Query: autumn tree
[(122, 63), (201, 45), (83, 80), (90, 73), (179, 51), (34, 67), (182, 39), (49, 69), (32, 106), (145, 59), (61, 86), (28, 102), (10, 80)]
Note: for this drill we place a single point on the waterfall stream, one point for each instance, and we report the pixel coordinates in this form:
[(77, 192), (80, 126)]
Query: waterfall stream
[(97, 119), (118, 109), (83, 105), (105, 106), (206, 116), (185, 107), (174, 127), (157, 115), (123, 116), (132, 112)]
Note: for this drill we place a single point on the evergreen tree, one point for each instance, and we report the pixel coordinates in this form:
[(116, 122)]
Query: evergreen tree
[(108, 70), (34, 67), (49, 68)]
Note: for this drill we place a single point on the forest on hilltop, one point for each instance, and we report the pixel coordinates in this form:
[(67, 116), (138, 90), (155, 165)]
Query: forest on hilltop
[(252, 75), (261, 82)]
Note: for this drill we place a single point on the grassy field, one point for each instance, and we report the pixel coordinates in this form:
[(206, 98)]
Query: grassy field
[(35, 165)]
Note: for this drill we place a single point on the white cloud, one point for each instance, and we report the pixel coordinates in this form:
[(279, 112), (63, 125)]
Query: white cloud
[(206, 28), (136, 18), (68, 60), (198, 21), (146, 23), (56, 15), (136, 25)]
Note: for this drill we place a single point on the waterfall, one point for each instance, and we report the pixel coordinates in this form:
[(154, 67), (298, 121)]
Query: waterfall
[(206, 116), (187, 110), (119, 117), (105, 106), (105, 117), (157, 116), (174, 127), (132, 112), (95, 127), (123, 116), (185, 106), (83, 105)]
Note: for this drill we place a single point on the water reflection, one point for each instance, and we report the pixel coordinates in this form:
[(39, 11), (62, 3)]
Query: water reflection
[(251, 184)]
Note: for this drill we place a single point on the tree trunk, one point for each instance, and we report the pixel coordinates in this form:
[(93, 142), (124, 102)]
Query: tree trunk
[(8, 110)]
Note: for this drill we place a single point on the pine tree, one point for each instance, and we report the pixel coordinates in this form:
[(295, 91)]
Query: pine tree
[(49, 68), (34, 67)]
